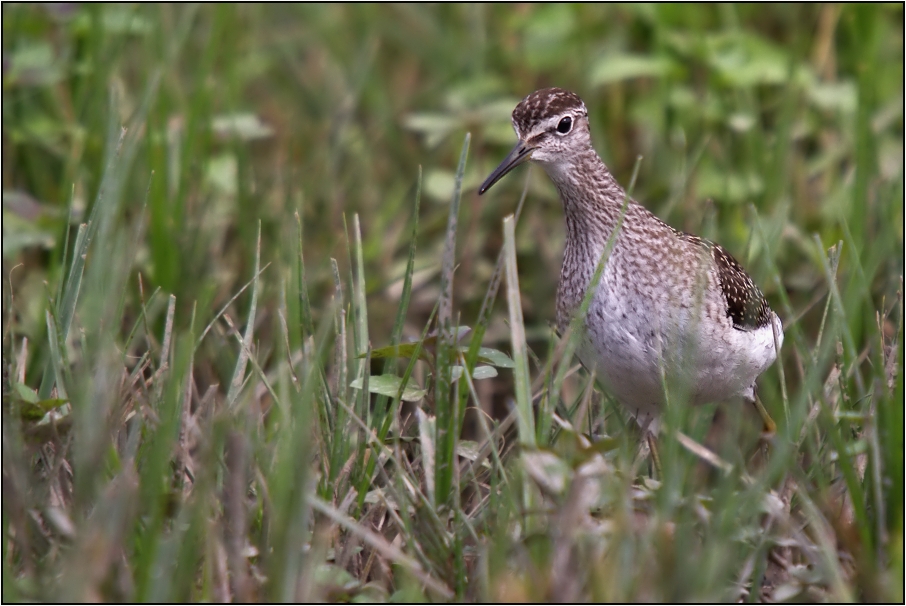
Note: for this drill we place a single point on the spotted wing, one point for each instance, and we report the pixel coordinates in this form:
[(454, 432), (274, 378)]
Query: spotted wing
[(746, 306)]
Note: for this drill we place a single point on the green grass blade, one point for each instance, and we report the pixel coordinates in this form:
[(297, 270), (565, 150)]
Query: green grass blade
[(447, 418), (305, 320), (525, 414), (239, 371), (381, 417)]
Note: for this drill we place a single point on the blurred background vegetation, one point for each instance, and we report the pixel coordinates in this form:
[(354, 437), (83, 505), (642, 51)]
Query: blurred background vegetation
[(191, 135)]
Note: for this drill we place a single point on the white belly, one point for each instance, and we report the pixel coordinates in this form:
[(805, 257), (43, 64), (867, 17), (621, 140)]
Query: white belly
[(638, 348)]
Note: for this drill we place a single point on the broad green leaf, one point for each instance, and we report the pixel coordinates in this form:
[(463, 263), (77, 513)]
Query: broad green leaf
[(25, 393), (494, 357), (119, 20), (468, 449), (601, 446), (244, 126), (439, 184), (33, 64), (614, 68), (335, 577), (431, 123), (407, 350), (484, 372), (546, 36), (480, 372), (389, 385), (727, 186), (35, 411), (221, 174), (404, 350), (549, 471), (371, 593), (747, 59), (838, 96)]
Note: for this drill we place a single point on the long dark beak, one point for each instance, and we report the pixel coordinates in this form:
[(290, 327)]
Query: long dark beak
[(519, 154)]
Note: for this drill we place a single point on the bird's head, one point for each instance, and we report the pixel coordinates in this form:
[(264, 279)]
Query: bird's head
[(552, 126)]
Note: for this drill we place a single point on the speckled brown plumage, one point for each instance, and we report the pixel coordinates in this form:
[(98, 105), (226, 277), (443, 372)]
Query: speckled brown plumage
[(669, 304), (746, 306)]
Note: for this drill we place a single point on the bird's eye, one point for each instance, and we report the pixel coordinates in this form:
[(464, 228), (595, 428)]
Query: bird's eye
[(565, 125)]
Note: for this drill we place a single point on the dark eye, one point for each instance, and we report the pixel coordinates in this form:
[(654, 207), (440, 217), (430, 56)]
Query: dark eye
[(564, 126)]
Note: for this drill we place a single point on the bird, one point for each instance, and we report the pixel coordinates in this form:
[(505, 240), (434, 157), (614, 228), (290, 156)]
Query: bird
[(668, 306)]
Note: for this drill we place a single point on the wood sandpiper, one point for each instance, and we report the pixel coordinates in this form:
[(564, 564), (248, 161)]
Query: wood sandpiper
[(668, 304)]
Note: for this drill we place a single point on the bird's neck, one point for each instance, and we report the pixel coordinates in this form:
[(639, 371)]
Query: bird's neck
[(591, 197), (592, 202)]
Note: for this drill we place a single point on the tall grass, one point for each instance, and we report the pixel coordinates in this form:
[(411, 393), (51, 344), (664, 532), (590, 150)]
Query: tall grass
[(255, 345)]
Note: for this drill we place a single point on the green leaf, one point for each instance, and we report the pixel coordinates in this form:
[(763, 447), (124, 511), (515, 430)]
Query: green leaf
[(481, 372), (601, 446), (549, 471), (25, 393), (335, 577), (370, 593), (494, 357), (51, 404), (244, 126), (484, 372), (404, 350), (221, 174), (31, 412), (118, 20), (468, 449), (747, 59), (407, 350), (836, 96), (615, 68), (439, 184), (389, 385), (547, 34), (34, 64), (33, 409), (428, 122)]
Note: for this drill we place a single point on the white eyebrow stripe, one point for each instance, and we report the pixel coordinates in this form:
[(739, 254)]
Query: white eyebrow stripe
[(550, 124)]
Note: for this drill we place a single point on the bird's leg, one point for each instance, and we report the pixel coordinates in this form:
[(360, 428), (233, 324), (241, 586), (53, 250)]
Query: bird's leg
[(652, 447), (649, 429), (770, 427)]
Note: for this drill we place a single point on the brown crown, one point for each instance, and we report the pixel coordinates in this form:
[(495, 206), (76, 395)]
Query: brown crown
[(543, 104)]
